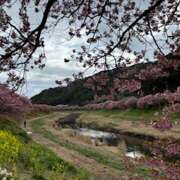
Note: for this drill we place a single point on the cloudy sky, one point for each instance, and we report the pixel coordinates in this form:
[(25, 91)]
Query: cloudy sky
[(57, 47)]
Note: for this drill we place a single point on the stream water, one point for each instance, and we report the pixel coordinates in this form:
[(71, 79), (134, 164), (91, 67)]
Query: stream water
[(133, 147)]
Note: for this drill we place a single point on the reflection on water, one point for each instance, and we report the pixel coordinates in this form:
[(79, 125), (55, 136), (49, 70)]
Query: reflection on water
[(134, 154), (95, 133), (133, 147)]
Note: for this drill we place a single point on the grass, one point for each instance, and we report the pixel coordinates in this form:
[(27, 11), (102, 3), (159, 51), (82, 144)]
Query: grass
[(106, 119), (134, 121), (145, 115), (46, 165), (36, 161), (129, 114), (88, 152), (101, 158)]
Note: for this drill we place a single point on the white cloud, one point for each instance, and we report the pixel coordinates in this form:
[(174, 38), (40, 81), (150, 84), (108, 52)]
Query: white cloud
[(56, 49)]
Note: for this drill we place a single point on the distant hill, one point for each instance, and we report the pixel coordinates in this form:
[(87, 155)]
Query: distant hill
[(77, 94), (73, 94)]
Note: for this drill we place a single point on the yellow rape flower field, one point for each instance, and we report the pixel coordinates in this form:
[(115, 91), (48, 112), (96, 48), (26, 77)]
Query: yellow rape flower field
[(9, 147)]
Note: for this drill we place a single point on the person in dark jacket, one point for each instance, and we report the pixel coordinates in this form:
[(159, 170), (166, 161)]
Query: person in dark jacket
[(25, 124)]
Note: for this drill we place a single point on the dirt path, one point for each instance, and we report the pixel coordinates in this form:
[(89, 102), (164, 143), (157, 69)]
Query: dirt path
[(97, 171)]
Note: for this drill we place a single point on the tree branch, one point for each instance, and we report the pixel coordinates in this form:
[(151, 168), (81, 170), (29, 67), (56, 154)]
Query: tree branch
[(154, 39), (144, 14), (38, 30)]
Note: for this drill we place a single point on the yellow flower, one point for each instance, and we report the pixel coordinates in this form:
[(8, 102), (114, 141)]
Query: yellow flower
[(9, 147)]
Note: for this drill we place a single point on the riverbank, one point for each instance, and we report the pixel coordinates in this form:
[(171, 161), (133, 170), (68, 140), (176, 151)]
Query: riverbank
[(100, 161), (132, 121)]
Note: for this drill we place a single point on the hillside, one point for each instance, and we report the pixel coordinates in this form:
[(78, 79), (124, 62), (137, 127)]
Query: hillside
[(73, 94), (77, 94)]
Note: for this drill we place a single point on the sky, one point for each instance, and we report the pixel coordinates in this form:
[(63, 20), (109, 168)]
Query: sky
[(57, 47)]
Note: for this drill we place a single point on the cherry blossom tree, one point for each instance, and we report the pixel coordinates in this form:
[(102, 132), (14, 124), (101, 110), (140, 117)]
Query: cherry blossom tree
[(12, 103), (113, 29)]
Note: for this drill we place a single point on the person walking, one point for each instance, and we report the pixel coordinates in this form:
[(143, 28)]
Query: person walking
[(25, 124)]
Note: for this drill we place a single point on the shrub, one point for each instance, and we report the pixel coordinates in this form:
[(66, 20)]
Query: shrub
[(163, 124), (99, 106), (143, 102), (176, 107), (150, 101), (131, 102), (171, 97), (121, 104), (108, 105), (10, 147), (115, 104)]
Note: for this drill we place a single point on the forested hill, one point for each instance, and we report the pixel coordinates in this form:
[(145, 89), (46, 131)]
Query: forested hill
[(73, 94), (77, 94)]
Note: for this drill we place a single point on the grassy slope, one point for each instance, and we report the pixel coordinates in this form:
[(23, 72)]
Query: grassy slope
[(36, 161), (101, 157), (106, 119), (129, 114), (130, 120), (91, 153)]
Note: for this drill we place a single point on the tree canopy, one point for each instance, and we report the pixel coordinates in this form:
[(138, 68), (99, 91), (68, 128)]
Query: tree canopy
[(12, 103), (118, 32)]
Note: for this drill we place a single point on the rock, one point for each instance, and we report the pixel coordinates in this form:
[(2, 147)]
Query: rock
[(156, 114), (69, 120)]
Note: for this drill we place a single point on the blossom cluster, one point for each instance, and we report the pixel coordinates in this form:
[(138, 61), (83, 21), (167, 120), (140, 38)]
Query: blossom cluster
[(48, 108), (142, 102), (5, 175), (163, 124)]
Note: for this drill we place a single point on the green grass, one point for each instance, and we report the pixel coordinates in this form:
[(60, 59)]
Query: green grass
[(129, 114), (88, 152), (36, 161), (112, 118), (139, 171), (45, 164)]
